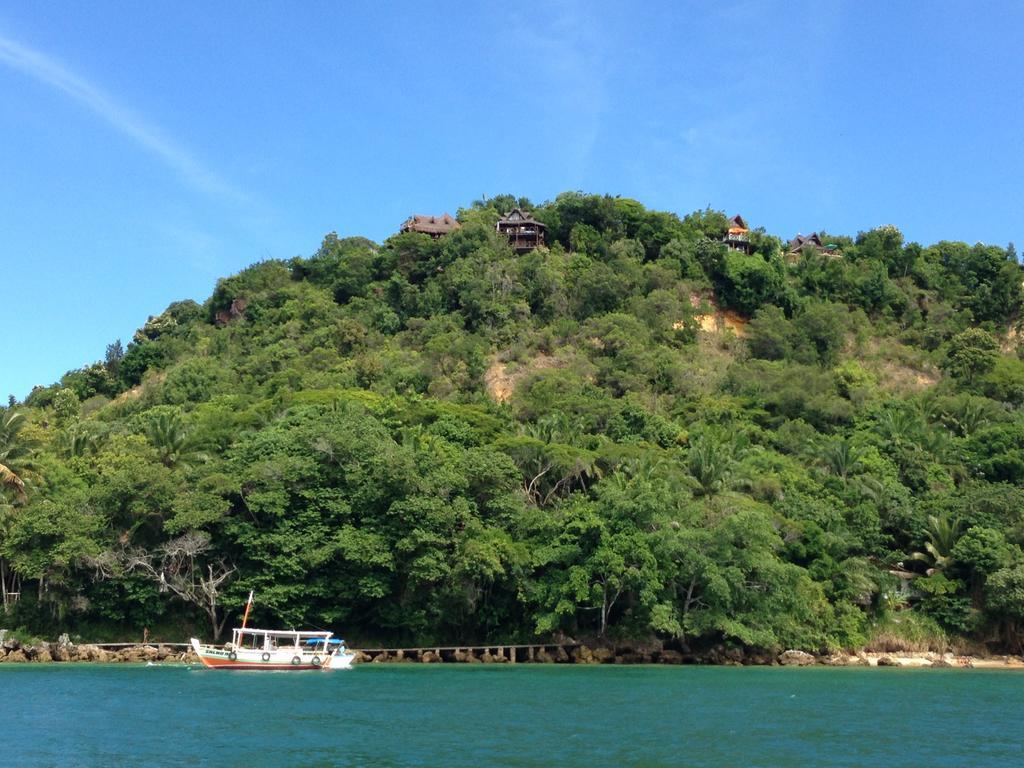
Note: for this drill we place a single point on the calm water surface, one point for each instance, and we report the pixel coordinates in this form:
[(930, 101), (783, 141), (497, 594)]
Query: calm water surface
[(387, 716)]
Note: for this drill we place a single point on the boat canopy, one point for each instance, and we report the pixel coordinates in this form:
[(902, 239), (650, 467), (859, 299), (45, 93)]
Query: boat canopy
[(290, 634)]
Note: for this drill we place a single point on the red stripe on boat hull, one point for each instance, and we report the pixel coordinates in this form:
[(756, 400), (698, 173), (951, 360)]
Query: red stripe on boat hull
[(213, 663)]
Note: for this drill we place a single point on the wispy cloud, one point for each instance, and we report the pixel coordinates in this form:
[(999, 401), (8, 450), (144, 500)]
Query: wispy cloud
[(53, 73)]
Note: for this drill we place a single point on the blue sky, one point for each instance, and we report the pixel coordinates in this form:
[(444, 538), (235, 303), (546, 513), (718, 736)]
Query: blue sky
[(148, 149)]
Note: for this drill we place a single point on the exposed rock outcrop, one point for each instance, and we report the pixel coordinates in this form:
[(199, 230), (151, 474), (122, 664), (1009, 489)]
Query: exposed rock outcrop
[(793, 658), (843, 660)]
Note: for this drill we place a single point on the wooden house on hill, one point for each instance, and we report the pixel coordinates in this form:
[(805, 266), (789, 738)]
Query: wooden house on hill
[(435, 226), (797, 245), (737, 237), (524, 232), (800, 241)]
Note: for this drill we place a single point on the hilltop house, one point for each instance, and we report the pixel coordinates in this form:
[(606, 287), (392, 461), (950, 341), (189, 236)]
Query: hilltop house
[(737, 237), (800, 242), (435, 226), (524, 232)]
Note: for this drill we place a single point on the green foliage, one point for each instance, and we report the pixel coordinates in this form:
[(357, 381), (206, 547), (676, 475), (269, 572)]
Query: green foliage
[(817, 334), (15, 455), (712, 462), (941, 535), (747, 283), (971, 354), (996, 452), (982, 550), (1005, 598), (66, 406), (773, 336), (170, 438), (824, 325), (140, 358), (194, 381), (633, 432), (1005, 381)]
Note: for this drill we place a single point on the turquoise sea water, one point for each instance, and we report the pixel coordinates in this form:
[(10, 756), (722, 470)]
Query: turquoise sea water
[(390, 716)]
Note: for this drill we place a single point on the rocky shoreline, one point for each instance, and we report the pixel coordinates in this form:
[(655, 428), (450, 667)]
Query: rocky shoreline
[(13, 651), (65, 651), (718, 656)]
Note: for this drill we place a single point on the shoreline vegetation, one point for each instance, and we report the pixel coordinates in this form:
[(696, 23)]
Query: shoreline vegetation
[(13, 651), (580, 419)]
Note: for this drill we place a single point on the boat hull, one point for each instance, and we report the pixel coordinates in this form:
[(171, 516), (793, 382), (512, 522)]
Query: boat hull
[(282, 660)]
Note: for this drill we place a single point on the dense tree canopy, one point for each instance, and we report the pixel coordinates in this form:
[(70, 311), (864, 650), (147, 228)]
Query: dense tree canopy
[(633, 432)]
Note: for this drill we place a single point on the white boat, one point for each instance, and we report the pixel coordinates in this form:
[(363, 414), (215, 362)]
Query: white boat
[(275, 649)]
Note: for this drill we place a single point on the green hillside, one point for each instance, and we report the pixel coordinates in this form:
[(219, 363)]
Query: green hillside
[(634, 432)]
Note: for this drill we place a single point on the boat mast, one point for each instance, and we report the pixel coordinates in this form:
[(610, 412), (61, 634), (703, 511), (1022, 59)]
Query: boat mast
[(245, 617)]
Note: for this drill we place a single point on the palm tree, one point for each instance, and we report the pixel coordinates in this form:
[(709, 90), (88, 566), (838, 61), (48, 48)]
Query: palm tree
[(713, 462), (552, 460), (555, 427), (15, 464), (15, 468), (9, 584), (872, 489), (972, 416), (80, 440), (651, 471), (842, 457), (899, 426), (172, 440), (12, 481), (941, 535)]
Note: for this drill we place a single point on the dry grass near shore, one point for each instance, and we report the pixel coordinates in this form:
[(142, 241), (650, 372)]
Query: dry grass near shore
[(908, 633)]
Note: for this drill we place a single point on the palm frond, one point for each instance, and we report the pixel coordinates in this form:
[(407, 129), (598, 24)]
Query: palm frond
[(11, 480)]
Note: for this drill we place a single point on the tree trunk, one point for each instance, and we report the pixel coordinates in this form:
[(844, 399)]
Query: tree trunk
[(687, 603), (607, 603), (604, 609), (216, 626), (219, 627), (1013, 639)]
